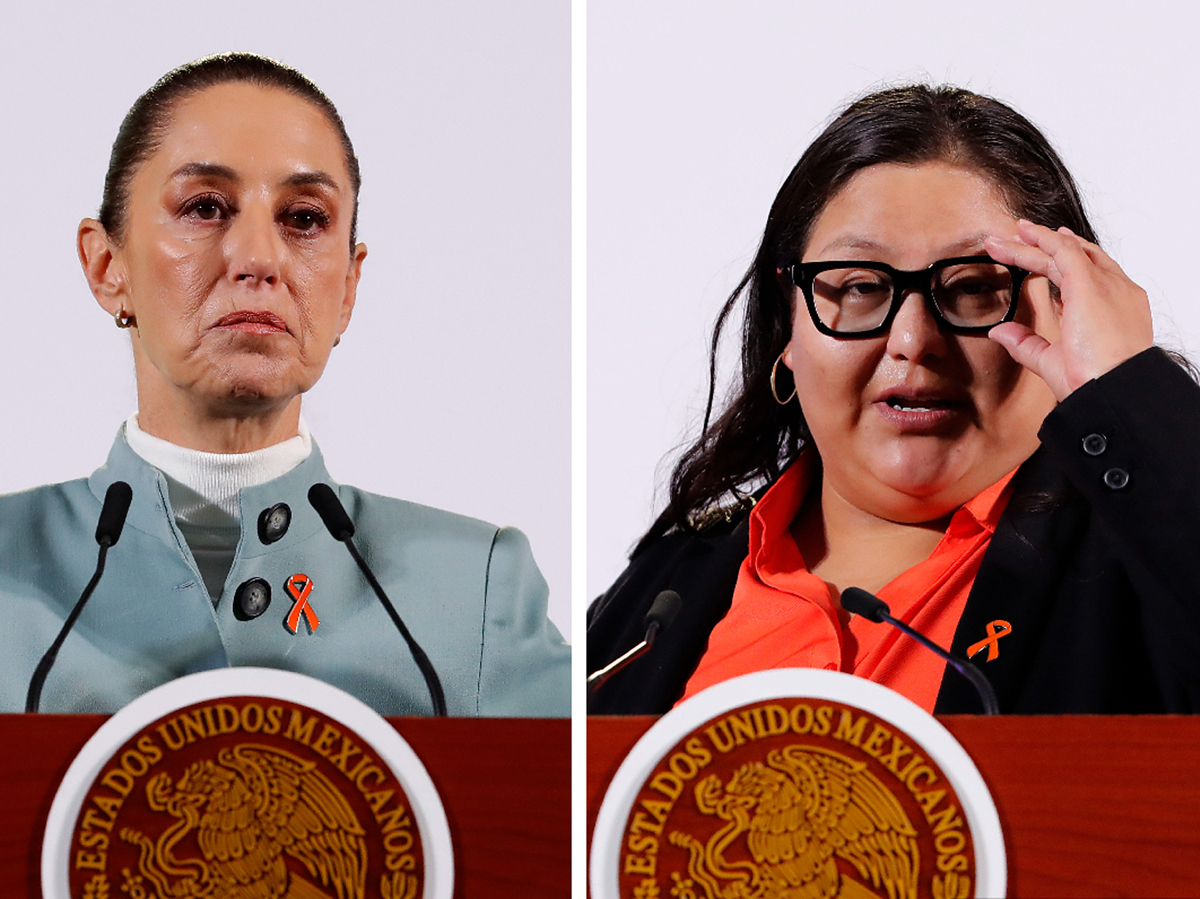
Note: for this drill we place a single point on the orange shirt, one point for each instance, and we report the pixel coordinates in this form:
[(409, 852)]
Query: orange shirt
[(784, 616)]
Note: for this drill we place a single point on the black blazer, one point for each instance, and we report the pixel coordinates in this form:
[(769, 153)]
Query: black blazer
[(1093, 563)]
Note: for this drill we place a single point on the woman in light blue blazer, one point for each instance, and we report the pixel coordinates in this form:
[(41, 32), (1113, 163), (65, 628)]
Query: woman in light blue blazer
[(226, 245)]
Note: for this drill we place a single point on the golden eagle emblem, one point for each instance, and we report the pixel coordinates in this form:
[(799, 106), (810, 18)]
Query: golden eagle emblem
[(246, 811), (798, 812)]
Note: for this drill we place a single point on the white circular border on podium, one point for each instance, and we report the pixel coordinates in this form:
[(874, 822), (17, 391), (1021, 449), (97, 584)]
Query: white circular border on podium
[(267, 683), (991, 869)]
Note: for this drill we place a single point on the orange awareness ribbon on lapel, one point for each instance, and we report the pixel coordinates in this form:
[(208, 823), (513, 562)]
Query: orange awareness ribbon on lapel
[(300, 587), (995, 630)]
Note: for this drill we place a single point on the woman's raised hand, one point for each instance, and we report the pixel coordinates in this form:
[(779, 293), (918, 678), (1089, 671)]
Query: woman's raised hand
[(1105, 316)]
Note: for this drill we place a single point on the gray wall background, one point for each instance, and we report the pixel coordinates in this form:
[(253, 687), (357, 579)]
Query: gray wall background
[(452, 384), (698, 110)]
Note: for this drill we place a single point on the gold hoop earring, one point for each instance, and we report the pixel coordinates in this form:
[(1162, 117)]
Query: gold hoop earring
[(124, 321), (774, 391), (337, 340)]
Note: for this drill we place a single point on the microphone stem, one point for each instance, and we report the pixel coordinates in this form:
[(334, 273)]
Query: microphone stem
[(427, 671), (599, 676), (34, 697), (965, 668)]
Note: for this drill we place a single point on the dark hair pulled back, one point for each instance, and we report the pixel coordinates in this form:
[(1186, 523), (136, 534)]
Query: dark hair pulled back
[(149, 118), (754, 438)]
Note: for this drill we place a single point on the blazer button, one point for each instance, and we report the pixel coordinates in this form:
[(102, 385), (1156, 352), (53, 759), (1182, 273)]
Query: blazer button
[(1116, 478), (251, 599), (1094, 444), (273, 522)]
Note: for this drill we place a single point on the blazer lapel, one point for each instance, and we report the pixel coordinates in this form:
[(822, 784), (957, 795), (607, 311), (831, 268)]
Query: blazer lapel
[(1016, 585)]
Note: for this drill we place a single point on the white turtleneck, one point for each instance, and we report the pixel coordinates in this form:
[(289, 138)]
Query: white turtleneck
[(203, 490)]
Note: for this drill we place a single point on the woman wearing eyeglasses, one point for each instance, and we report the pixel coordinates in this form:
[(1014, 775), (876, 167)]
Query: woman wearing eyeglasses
[(949, 397)]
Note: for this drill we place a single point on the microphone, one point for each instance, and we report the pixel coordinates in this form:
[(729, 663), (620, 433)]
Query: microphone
[(662, 612), (108, 531), (871, 607), (341, 528), (331, 510), (113, 513)]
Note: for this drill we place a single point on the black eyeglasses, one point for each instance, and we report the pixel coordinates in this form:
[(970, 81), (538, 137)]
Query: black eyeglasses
[(966, 294)]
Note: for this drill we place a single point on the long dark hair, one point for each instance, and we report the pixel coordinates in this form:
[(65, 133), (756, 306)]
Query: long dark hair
[(148, 119), (754, 438)]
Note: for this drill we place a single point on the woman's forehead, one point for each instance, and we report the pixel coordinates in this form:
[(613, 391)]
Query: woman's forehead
[(929, 206), (251, 129)]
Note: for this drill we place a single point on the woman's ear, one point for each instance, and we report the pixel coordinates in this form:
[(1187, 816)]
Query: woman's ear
[(103, 267), (352, 276)]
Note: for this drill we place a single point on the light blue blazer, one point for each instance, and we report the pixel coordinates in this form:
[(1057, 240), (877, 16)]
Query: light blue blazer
[(469, 592)]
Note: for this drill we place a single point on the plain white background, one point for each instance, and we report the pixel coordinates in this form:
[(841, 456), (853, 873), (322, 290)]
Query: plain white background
[(698, 110), (452, 384)]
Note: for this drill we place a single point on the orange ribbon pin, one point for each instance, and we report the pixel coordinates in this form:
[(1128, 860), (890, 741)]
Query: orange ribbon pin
[(995, 630), (300, 587)]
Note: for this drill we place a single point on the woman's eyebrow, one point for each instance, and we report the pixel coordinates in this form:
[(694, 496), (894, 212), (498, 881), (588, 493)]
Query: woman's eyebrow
[(304, 179), (856, 242), (216, 170), (205, 170), (968, 243), (853, 242)]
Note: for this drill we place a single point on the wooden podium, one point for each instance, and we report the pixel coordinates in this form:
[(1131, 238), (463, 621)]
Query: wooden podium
[(505, 784), (1089, 805)]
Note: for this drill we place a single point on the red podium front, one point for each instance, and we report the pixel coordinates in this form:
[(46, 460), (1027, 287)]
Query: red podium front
[(505, 784), (1089, 805)]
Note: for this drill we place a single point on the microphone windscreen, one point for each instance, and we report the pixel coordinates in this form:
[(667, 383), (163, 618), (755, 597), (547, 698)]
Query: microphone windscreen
[(330, 508), (860, 602), (664, 609), (113, 512)]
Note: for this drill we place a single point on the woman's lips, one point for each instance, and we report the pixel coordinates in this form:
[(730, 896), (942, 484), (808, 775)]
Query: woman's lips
[(253, 322), (920, 412)]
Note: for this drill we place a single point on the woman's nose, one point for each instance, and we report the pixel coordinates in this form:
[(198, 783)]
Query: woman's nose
[(253, 247), (915, 334)]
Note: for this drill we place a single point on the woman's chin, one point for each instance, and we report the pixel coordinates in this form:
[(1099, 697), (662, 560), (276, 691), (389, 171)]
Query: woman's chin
[(257, 379), (914, 492), (247, 396)]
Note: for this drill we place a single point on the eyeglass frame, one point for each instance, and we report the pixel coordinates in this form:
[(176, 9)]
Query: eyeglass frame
[(903, 282)]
